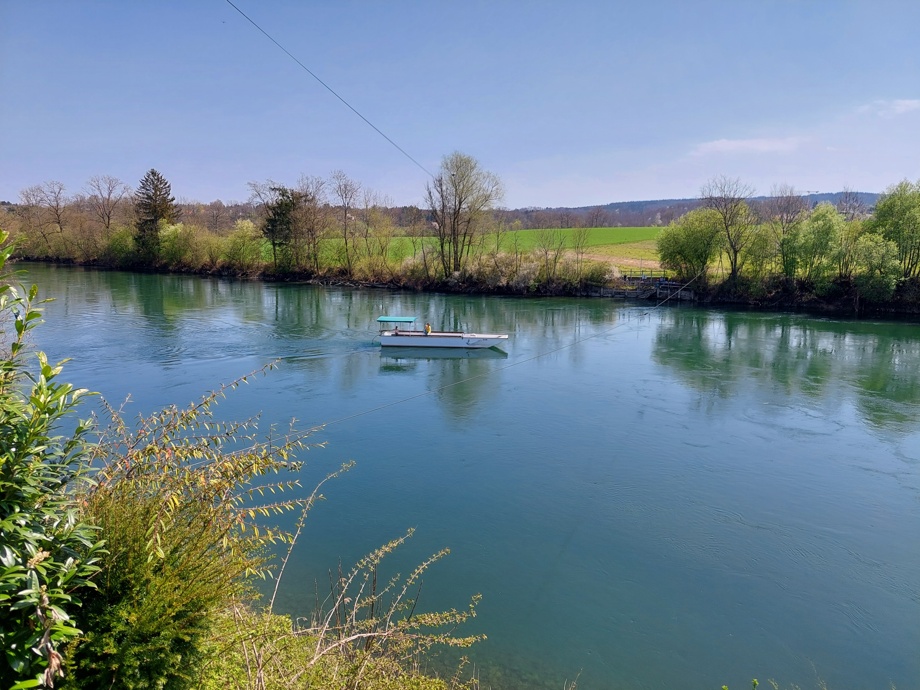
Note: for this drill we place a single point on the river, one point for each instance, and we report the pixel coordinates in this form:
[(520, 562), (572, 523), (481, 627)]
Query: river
[(646, 497)]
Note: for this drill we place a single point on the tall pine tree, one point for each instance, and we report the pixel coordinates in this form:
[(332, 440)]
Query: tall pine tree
[(280, 223), (153, 202)]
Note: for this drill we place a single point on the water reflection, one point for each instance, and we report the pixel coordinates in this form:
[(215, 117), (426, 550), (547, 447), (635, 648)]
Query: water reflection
[(429, 353), (460, 379), (874, 365)]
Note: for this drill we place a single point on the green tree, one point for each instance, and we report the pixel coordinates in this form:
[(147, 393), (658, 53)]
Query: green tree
[(460, 199), (847, 250), (897, 218), (879, 267), (279, 226), (153, 204), (47, 553), (783, 213), (689, 244), (819, 240)]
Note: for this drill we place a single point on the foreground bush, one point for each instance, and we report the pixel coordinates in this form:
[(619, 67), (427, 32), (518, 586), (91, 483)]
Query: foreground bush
[(175, 498), (363, 635), (179, 499), (48, 552)]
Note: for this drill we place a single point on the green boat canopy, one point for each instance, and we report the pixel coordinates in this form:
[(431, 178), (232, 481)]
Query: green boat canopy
[(396, 319)]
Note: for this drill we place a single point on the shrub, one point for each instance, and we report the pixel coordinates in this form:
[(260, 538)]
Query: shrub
[(596, 273), (880, 272), (243, 251), (688, 245), (176, 499), (118, 251), (181, 247), (47, 553), (365, 634)]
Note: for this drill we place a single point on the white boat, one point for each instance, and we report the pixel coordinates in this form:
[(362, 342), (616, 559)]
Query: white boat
[(400, 331)]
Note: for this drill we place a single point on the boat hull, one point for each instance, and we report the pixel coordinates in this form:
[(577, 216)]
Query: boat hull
[(437, 339)]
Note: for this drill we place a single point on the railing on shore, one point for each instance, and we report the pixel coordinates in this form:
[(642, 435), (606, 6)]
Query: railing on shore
[(643, 273), (658, 288)]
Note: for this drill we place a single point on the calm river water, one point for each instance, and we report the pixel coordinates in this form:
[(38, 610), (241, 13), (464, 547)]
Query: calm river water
[(645, 497)]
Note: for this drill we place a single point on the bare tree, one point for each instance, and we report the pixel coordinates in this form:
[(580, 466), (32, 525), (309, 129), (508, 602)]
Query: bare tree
[(217, 215), (261, 196), (728, 197), (377, 224), (83, 230), (597, 217), (314, 218), (551, 245), (43, 212), (56, 201), (566, 218), (851, 206), (579, 245), (104, 195), (460, 198), (345, 190)]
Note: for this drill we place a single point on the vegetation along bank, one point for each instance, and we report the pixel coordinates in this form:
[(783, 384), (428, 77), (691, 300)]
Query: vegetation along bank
[(848, 253)]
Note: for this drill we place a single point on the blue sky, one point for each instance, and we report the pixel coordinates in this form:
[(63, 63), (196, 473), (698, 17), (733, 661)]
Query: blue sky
[(570, 103)]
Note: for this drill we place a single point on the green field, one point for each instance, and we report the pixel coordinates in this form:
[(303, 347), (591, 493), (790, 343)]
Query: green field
[(622, 247), (597, 237)]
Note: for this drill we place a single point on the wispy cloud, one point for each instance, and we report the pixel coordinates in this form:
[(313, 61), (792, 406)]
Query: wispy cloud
[(732, 146), (892, 108)]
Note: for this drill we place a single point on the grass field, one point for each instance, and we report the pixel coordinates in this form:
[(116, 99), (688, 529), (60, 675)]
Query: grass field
[(597, 237), (621, 247)]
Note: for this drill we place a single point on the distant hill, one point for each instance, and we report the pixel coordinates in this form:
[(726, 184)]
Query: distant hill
[(653, 211)]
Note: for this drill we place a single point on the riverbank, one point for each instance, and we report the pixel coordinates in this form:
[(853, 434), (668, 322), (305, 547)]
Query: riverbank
[(838, 298)]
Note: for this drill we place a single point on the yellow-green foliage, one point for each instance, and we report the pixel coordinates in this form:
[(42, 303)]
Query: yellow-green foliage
[(688, 245), (177, 500), (250, 649), (367, 633), (243, 248), (118, 249)]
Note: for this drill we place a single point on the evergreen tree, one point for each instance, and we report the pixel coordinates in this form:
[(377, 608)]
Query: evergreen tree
[(280, 222), (153, 202)]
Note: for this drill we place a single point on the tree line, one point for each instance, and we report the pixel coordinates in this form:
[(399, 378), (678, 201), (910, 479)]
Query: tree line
[(320, 227), (784, 244), (334, 228)]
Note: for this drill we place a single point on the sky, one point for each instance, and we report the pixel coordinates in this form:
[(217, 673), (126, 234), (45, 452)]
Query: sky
[(569, 103)]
